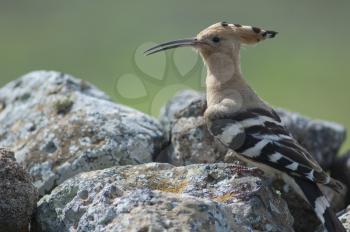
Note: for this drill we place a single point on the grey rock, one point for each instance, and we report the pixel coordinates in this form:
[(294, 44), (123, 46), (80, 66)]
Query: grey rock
[(59, 126), (161, 197), (191, 143), (182, 118), (179, 103), (345, 218), (190, 139), (18, 196)]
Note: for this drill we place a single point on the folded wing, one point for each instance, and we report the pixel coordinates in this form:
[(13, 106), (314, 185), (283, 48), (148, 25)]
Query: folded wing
[(260, 135)]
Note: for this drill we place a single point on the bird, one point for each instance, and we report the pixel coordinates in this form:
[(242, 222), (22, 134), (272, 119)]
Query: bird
[(243, 122)]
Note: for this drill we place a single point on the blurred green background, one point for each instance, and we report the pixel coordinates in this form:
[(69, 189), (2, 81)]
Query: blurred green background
[(305, 69)]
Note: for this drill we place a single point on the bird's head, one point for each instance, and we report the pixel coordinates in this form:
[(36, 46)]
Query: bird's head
[(221, 38)]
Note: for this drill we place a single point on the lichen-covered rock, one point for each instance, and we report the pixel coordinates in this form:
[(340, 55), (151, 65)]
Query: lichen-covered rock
[(17, 195), (59, 126), (345, 219), (182, 117), (161, 197), (182, 102), (191, 141)]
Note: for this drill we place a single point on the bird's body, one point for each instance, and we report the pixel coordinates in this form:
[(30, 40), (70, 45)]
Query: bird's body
[(243, 122)]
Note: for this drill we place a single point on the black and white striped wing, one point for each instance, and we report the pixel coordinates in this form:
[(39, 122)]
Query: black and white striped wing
[(260, 135)]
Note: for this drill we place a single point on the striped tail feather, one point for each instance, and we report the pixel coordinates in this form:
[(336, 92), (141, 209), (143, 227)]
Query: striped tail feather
[(332, 221), (320, 205)]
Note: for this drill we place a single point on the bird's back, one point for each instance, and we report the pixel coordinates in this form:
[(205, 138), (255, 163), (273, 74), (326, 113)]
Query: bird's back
[(260, 135)]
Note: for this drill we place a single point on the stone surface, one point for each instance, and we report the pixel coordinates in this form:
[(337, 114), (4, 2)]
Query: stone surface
[(17, 194), (182, 117), (191, 142), (345, 219), (59, 126), (180, 102), (161, 197)]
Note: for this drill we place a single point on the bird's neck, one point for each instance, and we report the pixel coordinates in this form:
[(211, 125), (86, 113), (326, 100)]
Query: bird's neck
[(225, 83)]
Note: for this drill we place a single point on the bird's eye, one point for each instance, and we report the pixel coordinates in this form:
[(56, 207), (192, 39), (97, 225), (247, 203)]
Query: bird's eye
[(215, 39)]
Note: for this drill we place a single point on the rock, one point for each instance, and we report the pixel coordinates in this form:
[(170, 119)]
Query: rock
[(182, 102), (17, 194), (161, 197), (340, 170), (59, 126), (191, 141), (345, 219), (182, 117)]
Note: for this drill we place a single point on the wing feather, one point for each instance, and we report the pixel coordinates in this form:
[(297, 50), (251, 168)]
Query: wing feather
[(260, 135)]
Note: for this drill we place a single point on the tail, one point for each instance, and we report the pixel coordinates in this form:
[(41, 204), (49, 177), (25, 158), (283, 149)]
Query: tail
[(332, 221), (320, 205)]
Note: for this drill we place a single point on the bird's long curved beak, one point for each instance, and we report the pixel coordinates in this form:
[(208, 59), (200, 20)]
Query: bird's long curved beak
[(171, 44)]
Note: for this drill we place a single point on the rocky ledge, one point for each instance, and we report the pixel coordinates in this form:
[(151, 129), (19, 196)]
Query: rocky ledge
[(101, 166), (160, 197)]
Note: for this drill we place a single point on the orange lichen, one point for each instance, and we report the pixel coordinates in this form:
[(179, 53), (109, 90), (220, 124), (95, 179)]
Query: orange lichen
[(166, 186), (224, 198)]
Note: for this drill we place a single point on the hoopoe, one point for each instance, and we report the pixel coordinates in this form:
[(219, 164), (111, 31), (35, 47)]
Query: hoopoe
[(243, 122)]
